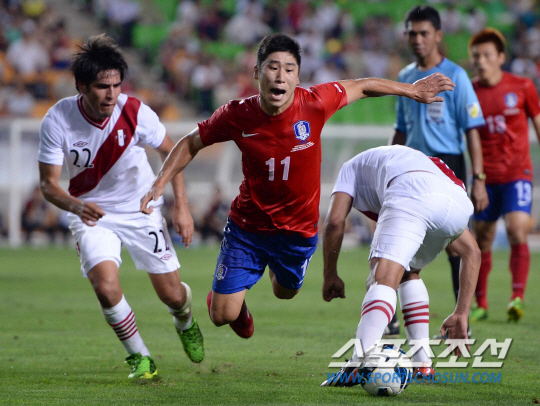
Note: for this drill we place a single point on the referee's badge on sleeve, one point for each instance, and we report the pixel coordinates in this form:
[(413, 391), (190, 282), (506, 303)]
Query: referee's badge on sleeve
[(473, 109)]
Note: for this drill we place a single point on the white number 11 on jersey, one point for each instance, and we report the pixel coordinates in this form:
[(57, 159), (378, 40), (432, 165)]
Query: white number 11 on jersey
[(271, 164)]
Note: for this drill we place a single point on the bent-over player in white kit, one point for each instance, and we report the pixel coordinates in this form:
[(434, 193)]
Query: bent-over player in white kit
[(420, 208), (101, 134)]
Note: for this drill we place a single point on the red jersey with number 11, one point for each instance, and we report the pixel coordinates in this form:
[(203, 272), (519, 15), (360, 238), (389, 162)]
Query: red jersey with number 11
[(505, 137), (281, 158)]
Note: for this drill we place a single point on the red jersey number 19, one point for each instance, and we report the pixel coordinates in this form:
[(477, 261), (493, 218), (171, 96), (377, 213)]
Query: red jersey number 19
[(271, 164)]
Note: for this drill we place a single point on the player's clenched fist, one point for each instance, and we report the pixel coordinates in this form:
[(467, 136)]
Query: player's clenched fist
[(153, 194), (89, 213), (426, 90), (333, 287)]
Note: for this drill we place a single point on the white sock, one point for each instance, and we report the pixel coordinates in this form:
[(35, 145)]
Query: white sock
[(378, 309), (122, 320), (182, 317), (414, 300)]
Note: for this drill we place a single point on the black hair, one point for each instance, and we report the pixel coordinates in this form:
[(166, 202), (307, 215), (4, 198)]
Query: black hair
[(99, 54), (278, 43), (424, 13)]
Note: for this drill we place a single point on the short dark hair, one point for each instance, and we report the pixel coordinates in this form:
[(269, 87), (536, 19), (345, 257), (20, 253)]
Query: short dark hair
[(278, 43), (424, 13), (488, 35), (100, 53)]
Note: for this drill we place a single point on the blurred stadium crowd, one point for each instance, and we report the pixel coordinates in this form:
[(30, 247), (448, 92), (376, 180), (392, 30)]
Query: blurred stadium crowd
[(195, 55), (201, 53)]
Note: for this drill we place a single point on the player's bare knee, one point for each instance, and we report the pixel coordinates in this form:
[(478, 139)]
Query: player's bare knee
[(285, 294), (516, 236), (222, 318), (174, 300), (108, 296)]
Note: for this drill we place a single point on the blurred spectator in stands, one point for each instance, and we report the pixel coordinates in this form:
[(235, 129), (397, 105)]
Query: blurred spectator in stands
[(122, 15), (188, 12), (27, 55), (205, 77), (329, 72), (451, 19), (272, 16), (38, 215), (211, 23), (256, 7), (61, 45), (521, 65), (246, 28), (18, 102), (295, 13), (475, 20), (327, 16), (215, 218)]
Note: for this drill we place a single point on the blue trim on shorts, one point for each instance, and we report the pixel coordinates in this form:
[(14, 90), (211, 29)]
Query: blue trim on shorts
[(505, 198), (244, 255)]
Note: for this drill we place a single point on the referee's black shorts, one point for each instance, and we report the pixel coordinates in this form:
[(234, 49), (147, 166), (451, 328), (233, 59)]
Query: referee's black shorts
[(457, 164)]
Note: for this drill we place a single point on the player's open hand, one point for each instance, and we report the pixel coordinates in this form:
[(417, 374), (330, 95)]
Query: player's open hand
[(333, 287), (153, 194), (183, 224), (89, 213), (479, 196), (426, 90), (455, 326)]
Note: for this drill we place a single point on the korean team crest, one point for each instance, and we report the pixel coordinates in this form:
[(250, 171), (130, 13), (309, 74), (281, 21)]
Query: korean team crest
[(221, 272), (302, 130), (511, 100)]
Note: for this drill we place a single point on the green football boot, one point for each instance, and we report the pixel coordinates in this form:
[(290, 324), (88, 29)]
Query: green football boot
[(141, 367), (193, 341), (515, 309), (478, 314)]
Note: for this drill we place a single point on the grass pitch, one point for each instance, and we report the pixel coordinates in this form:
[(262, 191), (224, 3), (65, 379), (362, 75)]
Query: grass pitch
[(57, 349)]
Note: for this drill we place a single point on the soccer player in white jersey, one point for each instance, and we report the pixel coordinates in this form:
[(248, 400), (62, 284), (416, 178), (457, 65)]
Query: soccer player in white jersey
[(101, 134), (420, 208)]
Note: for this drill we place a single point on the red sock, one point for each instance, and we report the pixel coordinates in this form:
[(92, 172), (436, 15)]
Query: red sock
[(481, 286), (243, 325), (520, 261)]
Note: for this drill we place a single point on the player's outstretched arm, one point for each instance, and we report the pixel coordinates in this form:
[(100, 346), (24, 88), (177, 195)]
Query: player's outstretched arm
[(180, 156), (334, 227), (181, 218), (467, 248), (479, 194), (49, 176), (424, 90)]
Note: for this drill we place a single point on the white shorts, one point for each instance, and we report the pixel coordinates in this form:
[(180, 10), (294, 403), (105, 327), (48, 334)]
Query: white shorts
[(421, 214), (145, 237)]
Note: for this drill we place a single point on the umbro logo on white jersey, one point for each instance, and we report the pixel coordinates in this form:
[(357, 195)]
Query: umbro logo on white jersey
[(248, 135), (80, 144)]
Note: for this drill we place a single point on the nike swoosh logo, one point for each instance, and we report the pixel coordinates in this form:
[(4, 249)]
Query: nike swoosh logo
[(248, 135)]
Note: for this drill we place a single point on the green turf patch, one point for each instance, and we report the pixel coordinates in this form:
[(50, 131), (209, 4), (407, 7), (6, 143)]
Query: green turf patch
[(57, 348)]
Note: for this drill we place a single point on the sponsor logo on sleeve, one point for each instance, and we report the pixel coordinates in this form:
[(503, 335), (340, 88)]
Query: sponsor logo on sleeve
[(473, 109)]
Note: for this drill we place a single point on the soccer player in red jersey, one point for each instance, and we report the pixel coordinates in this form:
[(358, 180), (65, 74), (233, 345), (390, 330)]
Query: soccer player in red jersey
[(508, 101), (274, 219)]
